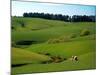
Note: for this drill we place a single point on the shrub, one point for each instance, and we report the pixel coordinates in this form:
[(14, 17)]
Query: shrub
[(84, 32), (72, 35), (12, 27), (49, 41), (59, 40), (22, 23), (13, 44), (56, 41), (64, 39), (47, 54), (57, 59), (53, 41)]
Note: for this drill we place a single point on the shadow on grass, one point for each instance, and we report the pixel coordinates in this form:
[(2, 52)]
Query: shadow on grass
[(19, 65)]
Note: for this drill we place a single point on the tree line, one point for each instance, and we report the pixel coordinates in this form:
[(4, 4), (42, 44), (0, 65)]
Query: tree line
[(66, 18)]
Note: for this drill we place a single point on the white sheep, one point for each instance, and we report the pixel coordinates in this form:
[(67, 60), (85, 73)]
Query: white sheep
[(74, 58)]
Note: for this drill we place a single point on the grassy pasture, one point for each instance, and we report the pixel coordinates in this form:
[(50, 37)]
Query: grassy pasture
[(65, 49), (20, 56), (59, 29), (35, 23), (68, 65), (41, 30)]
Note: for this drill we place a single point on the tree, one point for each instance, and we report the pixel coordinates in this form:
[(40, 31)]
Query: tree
[(66, 18)]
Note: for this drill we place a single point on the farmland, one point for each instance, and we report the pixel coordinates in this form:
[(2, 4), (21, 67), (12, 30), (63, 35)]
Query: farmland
[(41, 45)]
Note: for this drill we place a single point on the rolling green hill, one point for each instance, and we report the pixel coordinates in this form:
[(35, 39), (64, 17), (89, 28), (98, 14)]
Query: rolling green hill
[(21, 56), (59, 29), (65, 49), (86, 61), (43, 40), (34, 23)]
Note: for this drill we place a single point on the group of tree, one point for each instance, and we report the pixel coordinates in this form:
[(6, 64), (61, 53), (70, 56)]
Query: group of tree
[(67, 18)]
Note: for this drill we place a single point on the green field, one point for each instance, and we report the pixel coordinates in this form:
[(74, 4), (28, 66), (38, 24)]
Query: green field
[(39, 40)]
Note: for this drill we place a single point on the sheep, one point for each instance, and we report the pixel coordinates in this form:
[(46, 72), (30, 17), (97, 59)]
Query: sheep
[(74, 58)]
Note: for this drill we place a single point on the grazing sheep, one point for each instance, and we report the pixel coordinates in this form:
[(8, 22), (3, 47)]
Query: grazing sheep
[(74, 58)]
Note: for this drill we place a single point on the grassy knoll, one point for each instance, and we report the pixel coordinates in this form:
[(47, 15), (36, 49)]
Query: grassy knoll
[(58, 29), (43, 40), (20, 56)]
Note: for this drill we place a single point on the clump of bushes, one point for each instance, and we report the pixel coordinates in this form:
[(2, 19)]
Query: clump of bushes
[(22, 23), (59, 40), (13, 44), (54, 59), (53, 41), (47, 54), (84, 32), (64, 39), (57, 59), (72, 35), (12, 27)]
